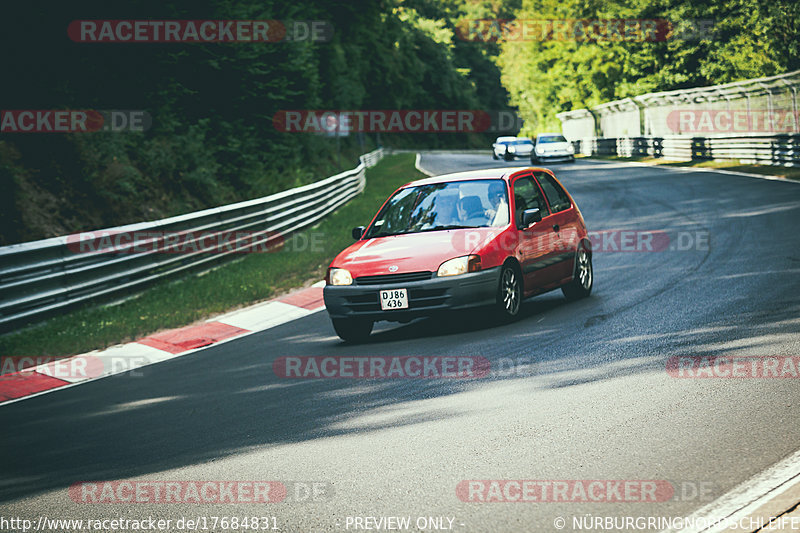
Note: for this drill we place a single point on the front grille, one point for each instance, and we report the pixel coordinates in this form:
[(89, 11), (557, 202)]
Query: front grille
[(405, 277)]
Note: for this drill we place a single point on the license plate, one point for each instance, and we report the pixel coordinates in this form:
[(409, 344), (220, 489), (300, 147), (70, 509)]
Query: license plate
[(394, 299)]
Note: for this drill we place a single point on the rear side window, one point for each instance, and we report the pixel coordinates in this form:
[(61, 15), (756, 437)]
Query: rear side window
[(527, 196), (556, 196)]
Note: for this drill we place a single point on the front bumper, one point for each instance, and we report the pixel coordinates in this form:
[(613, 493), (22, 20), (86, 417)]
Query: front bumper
[(555, 156), (425, 298)]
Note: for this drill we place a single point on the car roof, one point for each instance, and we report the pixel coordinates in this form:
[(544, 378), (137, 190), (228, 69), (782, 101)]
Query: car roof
[(554, 134), (471, 175)]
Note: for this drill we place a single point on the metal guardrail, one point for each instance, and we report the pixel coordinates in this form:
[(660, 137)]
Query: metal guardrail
[(780, 149), (40, 277)]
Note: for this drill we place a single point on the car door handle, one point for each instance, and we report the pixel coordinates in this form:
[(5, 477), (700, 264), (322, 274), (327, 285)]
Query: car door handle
[(556, 227)]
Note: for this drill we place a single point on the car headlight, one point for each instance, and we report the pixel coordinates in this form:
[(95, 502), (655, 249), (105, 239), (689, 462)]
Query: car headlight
[(339, 276), (539, 150), (459, 265), (570, 149), (512, 149)]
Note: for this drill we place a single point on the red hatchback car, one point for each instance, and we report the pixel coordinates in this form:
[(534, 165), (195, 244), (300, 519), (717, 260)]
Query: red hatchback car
[(485, 237)]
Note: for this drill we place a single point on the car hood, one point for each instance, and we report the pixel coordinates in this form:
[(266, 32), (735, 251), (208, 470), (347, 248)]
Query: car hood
[(414, 252)]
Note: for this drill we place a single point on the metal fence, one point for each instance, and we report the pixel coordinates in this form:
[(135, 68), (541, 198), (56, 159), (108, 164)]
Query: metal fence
[(40, 277), (756, 149), (755, 121)]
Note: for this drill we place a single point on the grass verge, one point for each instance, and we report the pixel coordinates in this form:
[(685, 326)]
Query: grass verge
[(791, 173), (252, 279)]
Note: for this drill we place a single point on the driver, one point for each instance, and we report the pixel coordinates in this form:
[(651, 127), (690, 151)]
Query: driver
[(470, 210)]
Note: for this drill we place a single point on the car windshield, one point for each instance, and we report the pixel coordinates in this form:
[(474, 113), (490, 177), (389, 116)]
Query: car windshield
[(525, 141), (441, 206), (552, 139)]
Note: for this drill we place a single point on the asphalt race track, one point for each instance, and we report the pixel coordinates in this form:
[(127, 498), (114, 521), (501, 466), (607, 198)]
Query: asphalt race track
[(588, 396)]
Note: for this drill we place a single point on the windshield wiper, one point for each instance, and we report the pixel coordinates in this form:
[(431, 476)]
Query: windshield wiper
[(376, 235), (434, 228), (450, 226)]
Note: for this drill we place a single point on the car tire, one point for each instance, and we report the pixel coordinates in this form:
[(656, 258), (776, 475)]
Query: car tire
[(534, 160), (352, 330), (509, 293), (508, 157), (494, 156), (583, 277)]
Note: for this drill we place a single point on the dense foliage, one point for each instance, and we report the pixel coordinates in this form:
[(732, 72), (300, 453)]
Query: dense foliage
[(746, 39)]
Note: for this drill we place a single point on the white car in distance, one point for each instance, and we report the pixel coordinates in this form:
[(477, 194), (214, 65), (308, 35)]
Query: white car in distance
[(552, 147), (511, 148), (499, 146)]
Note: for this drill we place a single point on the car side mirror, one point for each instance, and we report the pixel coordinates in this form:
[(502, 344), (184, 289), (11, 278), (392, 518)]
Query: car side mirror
[(529, 216), (358, 232)]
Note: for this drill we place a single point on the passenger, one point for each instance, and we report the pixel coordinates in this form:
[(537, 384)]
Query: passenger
[(498, 212)]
